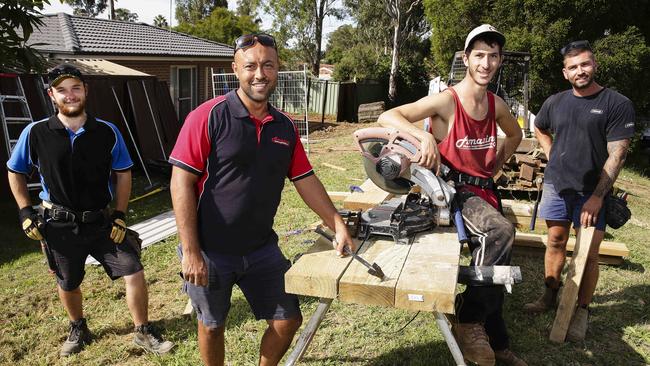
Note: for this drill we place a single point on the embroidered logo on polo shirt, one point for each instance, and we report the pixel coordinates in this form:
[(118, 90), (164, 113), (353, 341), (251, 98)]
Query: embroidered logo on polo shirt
[(596, 111), (280, 141), (629, 124)]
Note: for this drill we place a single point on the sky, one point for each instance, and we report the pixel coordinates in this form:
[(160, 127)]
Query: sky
[(148, 9)]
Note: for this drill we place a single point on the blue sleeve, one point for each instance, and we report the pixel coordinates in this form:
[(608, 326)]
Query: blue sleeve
[(20, 160), (121, 159)]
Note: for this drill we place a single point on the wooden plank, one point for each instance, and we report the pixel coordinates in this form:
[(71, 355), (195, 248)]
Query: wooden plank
[(370, 197), (523, 222), (317, 271), (518, 208), (428, 279), (608, 248), (338, 196), (359, 287), (527, 172), (569, 297), (526, 159), (334, 166), (602, 259)]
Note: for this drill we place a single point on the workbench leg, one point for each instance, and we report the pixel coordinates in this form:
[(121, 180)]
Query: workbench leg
[(443, 325), (308, 333)]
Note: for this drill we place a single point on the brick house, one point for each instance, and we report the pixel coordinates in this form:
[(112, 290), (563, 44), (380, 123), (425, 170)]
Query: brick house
[(184, 62)]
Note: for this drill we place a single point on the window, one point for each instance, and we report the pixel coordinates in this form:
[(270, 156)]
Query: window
[(184, 89)]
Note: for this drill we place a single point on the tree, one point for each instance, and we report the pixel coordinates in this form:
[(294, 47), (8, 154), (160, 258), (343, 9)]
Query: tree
[(373, 49), (18, 18), (125, 15), (407, 18), (87, 8), (221, 26), (192, 11), (249, 8), (160, 21), (542, 28), (301, 23)]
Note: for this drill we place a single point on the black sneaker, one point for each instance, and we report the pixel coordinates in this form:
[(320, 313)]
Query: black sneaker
[(79, 337), (150, 340)]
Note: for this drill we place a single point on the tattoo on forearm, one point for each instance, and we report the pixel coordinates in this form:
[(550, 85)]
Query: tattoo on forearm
[(617, 153)]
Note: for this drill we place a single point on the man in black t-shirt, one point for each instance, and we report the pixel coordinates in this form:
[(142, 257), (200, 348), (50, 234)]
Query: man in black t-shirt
[(585, 131)]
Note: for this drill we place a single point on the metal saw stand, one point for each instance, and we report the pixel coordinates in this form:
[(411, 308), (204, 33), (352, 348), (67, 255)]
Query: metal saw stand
[(308, 333)]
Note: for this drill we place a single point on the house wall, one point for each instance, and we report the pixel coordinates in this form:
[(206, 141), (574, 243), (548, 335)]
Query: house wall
[(162, 70)]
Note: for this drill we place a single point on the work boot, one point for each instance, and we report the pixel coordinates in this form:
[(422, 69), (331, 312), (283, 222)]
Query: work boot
[(507, 357), (79, 337), (547, 301), (578, 326), (150, 340), (473, 342)]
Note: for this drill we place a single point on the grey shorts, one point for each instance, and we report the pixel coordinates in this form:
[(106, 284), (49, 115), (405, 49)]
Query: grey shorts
[(260, 276)]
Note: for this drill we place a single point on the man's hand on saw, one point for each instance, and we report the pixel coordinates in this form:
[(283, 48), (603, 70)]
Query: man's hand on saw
[(590, 210), (430, 158), (194, 269)]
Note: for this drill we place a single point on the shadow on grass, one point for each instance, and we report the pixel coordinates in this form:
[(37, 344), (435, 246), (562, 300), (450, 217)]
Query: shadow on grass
[(429, 354), (15, 243), (611, 317)]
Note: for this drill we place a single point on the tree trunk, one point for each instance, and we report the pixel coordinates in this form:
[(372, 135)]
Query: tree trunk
[(320, 15), (392, 82)]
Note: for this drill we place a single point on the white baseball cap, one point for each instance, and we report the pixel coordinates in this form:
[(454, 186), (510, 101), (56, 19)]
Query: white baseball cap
[(482, 29)]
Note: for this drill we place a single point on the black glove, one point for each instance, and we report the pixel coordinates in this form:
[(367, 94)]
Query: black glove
[(617, 213), (30, 222), (119, 226)]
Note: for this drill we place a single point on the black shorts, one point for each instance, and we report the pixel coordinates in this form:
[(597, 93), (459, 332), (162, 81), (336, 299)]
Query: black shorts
[(259, 275), (70, 248)]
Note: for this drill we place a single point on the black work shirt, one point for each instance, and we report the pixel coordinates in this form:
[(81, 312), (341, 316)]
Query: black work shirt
[(74, 167), (582, 127)]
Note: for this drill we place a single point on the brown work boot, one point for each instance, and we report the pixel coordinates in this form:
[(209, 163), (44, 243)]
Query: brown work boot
[(473, 342), (578, 326), (507, 357), (547, 301)]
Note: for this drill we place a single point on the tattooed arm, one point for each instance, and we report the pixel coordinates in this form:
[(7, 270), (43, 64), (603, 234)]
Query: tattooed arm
[(617, 153)]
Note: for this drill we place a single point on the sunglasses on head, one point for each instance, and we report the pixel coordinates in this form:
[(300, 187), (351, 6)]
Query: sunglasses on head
[(248, 40), (581, 45)]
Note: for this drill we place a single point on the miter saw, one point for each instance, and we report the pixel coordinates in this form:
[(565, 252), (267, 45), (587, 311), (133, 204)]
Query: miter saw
[(390, 159)]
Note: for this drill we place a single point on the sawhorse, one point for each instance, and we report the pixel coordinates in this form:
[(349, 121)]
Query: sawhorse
[(308, 333)]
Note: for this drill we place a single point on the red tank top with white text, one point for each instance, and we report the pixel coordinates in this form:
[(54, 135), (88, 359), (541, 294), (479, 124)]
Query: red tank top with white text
[(471, 145)]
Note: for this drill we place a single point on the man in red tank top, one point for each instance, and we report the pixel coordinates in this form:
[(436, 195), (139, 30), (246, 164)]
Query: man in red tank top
[(463, 135)]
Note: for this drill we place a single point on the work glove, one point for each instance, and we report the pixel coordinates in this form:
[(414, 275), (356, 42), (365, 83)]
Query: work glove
[(30, 222), (118, 230)]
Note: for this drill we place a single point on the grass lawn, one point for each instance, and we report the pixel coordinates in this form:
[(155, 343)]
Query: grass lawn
[(33, 323)]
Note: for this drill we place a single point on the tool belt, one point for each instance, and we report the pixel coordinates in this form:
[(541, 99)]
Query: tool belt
[(461, 178), (56, 212)]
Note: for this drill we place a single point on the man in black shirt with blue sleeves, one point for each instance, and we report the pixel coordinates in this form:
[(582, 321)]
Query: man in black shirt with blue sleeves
[(75, 155), (585, 132)]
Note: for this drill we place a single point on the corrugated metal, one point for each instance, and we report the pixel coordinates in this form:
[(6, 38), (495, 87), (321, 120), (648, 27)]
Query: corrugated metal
[(318, 92)]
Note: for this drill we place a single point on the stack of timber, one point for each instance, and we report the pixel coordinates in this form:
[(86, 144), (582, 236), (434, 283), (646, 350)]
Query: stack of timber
[(524, 171), (370, 112)]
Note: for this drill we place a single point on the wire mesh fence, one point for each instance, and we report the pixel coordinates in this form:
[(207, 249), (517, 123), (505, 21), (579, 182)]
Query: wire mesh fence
[(290, 95)]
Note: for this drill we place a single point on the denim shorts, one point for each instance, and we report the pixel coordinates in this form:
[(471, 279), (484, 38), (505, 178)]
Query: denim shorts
[(566, 207), (260, 276)]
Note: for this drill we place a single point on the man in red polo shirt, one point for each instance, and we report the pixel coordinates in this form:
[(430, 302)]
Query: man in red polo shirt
[(230, 163)]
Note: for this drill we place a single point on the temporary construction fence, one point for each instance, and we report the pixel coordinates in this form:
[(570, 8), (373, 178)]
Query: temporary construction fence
[(298, 93)]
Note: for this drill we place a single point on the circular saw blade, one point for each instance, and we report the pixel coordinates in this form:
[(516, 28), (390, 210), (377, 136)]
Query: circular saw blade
[(397, 186)]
